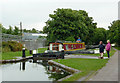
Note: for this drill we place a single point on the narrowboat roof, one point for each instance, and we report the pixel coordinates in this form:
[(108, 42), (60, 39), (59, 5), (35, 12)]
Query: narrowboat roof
[(67, 42)]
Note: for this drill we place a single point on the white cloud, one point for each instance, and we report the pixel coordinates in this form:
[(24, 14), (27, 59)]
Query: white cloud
[(38, 26), (33, 13)]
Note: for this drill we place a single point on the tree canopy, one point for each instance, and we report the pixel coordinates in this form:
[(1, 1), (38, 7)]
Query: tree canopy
[(66, 23), (16, 30), (100, 35), (114, 32)]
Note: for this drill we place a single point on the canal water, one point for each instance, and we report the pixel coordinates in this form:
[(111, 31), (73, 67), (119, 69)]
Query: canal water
[(32, 71)]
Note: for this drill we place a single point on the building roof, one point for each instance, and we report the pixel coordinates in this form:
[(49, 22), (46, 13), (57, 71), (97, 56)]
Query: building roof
[(32, 36)]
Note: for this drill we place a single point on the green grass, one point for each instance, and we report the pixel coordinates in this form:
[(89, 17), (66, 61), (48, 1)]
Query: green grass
[(105, 54), (13, 55), (41, 50), (118, 48), (84, 65)]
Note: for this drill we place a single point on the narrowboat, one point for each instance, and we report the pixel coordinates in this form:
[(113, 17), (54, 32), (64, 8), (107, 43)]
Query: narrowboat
[(58, 46), (67, 48), (59, 49)]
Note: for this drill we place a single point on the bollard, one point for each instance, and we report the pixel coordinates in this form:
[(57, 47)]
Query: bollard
[(63, 54), (34, 53), (23, 52)]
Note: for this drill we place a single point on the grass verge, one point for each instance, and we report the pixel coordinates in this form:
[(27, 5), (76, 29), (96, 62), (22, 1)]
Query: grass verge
[(86, 66), (13, 55), (118, 48)]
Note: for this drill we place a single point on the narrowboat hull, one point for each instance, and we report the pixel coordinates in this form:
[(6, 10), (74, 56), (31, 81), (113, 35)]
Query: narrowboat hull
[(50, 54), (73, 46)]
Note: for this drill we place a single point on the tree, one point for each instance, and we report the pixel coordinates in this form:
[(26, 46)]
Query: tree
[(40, 31), (100, 35), (2, 29), (66, 23), (24, 30), (33, 30), (114, 32), (71, 38), (16, 30), (10, 30)]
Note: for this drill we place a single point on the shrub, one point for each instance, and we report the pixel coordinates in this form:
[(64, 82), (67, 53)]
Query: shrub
[(11, 46), (6, 49)]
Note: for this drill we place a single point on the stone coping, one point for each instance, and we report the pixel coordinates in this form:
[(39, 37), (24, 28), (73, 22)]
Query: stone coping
[(15, 60), (69, 69)]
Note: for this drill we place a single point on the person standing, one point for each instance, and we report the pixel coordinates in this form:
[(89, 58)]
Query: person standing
[(101, 49), (78, 40), (108, 48)]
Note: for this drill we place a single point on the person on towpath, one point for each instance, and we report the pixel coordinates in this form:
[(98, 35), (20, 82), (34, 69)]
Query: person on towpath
[(101, 49), (108, 48)]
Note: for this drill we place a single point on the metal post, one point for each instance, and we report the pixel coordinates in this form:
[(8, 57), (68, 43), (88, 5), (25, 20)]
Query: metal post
[(21, 31), (62, 54), (30, 51), (23, 52)]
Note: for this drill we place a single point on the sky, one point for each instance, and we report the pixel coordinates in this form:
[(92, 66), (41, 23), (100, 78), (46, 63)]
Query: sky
[(34, 13)]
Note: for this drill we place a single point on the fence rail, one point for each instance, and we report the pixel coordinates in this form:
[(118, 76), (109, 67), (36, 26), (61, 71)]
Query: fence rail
[(9, 37), (30, 44)]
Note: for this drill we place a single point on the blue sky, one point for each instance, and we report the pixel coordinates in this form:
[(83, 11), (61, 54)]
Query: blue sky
[(34, 13)]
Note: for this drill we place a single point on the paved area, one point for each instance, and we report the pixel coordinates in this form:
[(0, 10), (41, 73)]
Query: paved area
[(109, 72), (83, 56)]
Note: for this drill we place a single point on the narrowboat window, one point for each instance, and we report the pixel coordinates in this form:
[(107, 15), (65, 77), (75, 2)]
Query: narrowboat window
[(50, 47), (54, 47), (60, 47), (72, 46), (80, 46), (66, 47)]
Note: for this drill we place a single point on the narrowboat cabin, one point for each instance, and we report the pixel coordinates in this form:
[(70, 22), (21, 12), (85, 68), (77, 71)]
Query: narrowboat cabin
[(58, 46)]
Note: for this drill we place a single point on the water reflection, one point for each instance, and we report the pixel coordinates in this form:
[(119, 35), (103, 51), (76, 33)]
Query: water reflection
[(22, 65), (56, 72), (31, 70)]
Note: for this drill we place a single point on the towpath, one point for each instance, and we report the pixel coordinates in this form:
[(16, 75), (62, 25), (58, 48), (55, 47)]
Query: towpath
[(82, 56), (109, 72)]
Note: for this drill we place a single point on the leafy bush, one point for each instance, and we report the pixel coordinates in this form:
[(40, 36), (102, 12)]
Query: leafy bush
[(11, 46), (6, 49)]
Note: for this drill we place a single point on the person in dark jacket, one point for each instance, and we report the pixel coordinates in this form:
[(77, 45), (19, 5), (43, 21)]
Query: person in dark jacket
[(101, 49)]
